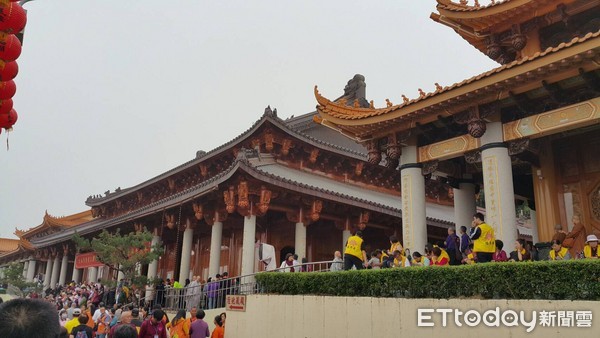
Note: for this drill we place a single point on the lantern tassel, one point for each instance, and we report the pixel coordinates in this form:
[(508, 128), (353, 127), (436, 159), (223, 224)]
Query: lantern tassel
[(7, 137)]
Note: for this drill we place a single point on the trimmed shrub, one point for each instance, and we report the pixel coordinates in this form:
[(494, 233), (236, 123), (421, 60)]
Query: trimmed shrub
[(572, 280)]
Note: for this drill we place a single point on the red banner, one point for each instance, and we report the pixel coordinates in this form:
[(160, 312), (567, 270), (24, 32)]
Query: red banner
[(87, 260)]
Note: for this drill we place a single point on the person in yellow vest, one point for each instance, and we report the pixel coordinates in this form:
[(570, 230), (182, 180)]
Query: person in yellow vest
[(484, 241), (558, 252), (355, 254), (443, 254), (400, 261), (394, 245), (438, 258), (590, 250)]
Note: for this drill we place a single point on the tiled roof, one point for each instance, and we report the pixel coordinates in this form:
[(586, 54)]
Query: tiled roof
[(453, 6), (345, 112), (50, 221), (7, 244), (267, 117)]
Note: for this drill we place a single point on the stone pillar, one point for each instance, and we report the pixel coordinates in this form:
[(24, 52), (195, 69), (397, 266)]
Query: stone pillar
[(534, 227), (464, 205), (76, 274), (186, 253), (63, 270), (216, 239), (498, 185), (120, 274), (300, 243), (152, 267), (31, 270), (346, 234), (48, 273), (248, 244), (93, 274), (55, 271), (414, 223), (25, 266)]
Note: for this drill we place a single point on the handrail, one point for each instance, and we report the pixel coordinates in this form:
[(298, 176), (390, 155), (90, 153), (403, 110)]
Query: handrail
[(212, 294)]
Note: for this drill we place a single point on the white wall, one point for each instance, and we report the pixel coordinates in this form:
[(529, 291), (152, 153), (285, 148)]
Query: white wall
[(317, 317)]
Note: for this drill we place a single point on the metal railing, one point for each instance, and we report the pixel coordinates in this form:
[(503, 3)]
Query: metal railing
[(212, 295)]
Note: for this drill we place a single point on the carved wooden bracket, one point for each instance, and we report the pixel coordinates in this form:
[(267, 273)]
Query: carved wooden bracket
[(473, 157), (518, 146), (429, 167), (285, 146), (475, 124), (393, 149), (363, 219), (264, 200), (138, 227), (171, 182), (65, 249), (358, 169), (203, 169), (229, 199), (374, 154), (315, 210), (96, 212), (170, 221), (198, 210), (314, 154), (269, 141), (243, 201)]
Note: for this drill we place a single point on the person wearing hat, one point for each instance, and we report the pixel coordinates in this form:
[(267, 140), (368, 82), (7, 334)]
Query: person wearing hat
[(590, 250), (73, 322)]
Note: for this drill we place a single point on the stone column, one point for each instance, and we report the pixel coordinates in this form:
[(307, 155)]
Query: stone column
[(216, 239), (414, 223), (498, 185), (31, 270), (346, 234), (48, 273), (248, 244), (153, 266), (534, 227), (464, 205), (55, 271), (63, 270), (186, 252), (25, 266), (76, 274), (120, 274), (300, 242), (93, 274)]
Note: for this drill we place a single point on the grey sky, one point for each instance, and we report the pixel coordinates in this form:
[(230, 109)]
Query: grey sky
[(111, 93)]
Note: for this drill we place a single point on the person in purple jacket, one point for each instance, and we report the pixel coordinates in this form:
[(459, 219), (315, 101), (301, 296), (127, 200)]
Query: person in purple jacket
[(199, 328), (212, 292)]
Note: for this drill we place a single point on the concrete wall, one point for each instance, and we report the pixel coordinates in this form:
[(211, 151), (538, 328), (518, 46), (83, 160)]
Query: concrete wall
[(316, 317)]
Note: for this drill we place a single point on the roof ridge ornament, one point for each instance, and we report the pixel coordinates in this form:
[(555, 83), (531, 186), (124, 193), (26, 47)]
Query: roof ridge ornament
[(270, 112)]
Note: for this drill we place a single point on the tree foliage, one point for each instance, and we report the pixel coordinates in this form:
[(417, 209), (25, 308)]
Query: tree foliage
[(13, 275), (122, 252)]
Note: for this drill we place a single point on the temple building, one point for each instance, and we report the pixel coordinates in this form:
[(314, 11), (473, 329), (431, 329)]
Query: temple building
[(293, 183), (526, 132)]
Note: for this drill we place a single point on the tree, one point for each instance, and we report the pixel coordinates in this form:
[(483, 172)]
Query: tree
[(13, 275), (122, 253)]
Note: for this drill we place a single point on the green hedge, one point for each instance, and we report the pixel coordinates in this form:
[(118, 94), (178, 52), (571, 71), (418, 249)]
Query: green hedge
[(577, 279)]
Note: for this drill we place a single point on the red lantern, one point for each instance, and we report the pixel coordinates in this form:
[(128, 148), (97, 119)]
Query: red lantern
[(6, 106), (8, 70), (7, 89), (12, 18), (8, 120), (10, 47)]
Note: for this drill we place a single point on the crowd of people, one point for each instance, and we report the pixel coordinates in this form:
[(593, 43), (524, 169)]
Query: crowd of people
[(87, 310), (47, 318), (476, 245)]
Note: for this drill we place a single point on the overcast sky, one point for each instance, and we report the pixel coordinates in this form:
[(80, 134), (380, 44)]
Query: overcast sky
[(111, 93)]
